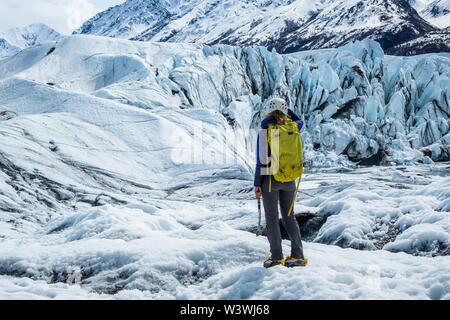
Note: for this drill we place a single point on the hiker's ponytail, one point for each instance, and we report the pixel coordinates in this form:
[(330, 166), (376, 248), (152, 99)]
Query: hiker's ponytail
[(279, 116)]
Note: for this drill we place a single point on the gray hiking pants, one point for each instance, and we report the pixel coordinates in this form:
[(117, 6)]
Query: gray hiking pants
[(282, 192)]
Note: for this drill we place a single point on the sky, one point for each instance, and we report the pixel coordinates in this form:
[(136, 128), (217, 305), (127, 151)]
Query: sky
[(62, 15)]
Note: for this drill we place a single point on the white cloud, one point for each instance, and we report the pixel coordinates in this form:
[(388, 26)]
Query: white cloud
[(62, 15), (79, 11)]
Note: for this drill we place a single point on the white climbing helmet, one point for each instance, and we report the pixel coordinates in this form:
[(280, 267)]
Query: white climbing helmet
[(277, 104)]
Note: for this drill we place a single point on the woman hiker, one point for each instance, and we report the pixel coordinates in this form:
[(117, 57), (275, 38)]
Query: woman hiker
[(274, 192)]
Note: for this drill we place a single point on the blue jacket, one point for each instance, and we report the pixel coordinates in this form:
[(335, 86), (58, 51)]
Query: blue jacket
[(264, 125)]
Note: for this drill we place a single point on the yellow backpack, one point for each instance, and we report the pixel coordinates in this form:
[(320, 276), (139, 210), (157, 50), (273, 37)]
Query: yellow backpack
[(286, 153)]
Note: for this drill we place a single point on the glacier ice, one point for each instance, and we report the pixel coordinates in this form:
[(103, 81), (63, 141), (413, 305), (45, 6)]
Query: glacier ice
[(117, 154)]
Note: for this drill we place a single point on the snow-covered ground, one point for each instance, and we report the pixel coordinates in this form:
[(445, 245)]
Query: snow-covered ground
[(183, 248), (126, 172)]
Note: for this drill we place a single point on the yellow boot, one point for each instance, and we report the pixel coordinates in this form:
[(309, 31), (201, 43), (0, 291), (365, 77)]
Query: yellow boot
[(294, 262), (271, 263)]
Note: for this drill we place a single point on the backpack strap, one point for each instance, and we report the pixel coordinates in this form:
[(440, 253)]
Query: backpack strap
[(267, 159), (298, 185), (295, 194)]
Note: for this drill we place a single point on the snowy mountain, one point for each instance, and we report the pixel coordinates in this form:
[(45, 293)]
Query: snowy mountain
[(287, 26), (433, 41), (7, 49), (126, 170), (16, 39), (437, 12)]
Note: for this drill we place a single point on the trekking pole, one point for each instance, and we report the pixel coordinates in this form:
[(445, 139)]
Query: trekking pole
[(259, 230)]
